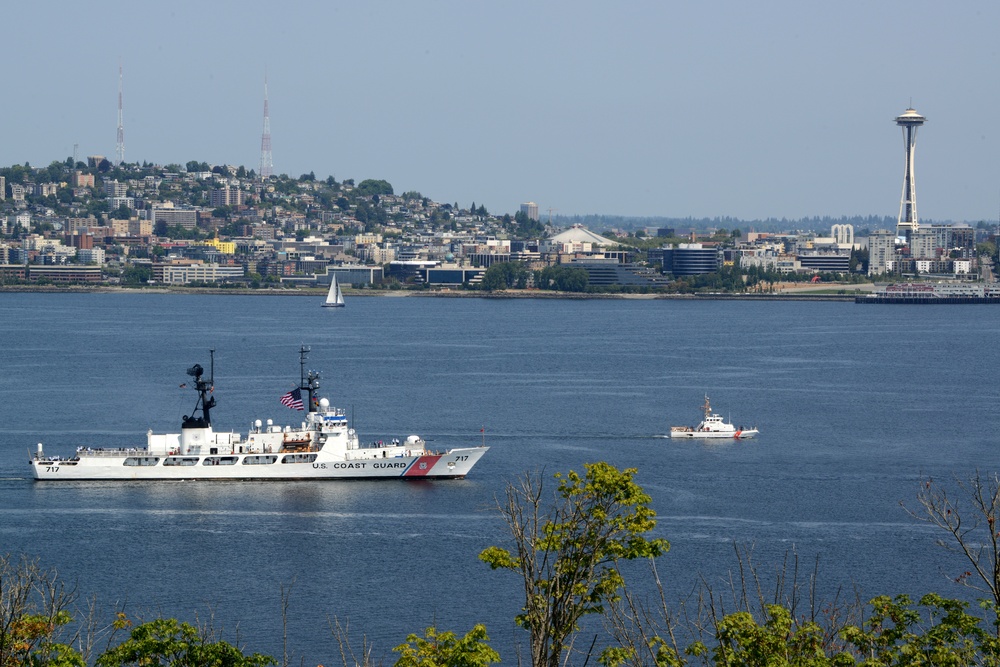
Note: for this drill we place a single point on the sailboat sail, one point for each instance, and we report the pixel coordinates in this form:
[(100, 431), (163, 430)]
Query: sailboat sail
[(335, 297)]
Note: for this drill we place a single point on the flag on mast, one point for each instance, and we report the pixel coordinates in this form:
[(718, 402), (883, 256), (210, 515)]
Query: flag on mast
[(293, 399)]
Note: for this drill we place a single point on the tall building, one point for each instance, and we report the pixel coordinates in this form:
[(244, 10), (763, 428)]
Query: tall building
[(115, 189), (120, 144), (266, 162), (3, 188), (881, 252), (226, 196), (909, 121), (530, 209)]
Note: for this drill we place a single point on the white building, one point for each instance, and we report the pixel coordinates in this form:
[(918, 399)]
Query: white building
[(190, 272), (530, 209), (881, 252), (90, 256)]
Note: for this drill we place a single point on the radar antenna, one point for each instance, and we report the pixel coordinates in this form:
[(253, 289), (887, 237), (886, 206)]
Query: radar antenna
[(308, 381), (205, 403)]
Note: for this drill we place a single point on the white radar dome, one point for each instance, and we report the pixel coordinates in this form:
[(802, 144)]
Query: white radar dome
[(324, 403)]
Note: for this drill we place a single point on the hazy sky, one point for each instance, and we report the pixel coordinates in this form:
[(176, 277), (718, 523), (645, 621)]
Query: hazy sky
[(656, 108)]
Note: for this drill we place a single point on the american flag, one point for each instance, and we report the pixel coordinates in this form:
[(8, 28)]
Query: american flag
[(293, 399)]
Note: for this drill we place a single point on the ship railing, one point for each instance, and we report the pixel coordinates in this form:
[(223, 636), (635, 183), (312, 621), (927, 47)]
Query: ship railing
[(110, 452)]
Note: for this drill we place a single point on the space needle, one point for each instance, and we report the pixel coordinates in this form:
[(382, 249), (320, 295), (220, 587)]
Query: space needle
[(910, 120)]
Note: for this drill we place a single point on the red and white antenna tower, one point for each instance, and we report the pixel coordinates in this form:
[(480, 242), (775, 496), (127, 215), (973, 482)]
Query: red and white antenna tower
[(266, 163), (120, 146)]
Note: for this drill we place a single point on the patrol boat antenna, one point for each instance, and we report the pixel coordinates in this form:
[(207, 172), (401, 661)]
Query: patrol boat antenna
[(308, 381), (204, 404)]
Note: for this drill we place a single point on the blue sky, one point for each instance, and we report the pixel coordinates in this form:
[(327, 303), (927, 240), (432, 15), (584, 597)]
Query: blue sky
[(751, 110)]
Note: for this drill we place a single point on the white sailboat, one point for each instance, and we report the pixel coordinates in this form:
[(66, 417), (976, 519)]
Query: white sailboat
[(335, 297)]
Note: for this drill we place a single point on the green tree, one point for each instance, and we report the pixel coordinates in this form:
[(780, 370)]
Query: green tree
[(445, 649), (167, 642), (33, 611), (563, 279), (369, 187), (505, 275), (567, 550), (938, 632), (136, 275)]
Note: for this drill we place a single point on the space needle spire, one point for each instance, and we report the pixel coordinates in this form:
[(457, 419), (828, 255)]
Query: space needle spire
[(910, 120), (120, 145), (266, 163)]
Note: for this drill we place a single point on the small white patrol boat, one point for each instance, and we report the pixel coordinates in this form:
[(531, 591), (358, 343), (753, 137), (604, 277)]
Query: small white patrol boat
[(712, 426), (323, 446)]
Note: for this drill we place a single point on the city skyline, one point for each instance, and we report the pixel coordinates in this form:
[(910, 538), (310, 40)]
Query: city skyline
[(646, 110)]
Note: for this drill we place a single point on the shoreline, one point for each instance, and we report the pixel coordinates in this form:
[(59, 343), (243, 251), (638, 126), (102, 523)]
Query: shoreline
[(797, 295)]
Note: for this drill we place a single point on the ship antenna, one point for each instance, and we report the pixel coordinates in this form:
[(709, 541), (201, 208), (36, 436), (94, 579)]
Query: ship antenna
[(307, 381)]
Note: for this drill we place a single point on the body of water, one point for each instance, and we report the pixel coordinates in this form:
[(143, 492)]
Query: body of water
[(855, 406)]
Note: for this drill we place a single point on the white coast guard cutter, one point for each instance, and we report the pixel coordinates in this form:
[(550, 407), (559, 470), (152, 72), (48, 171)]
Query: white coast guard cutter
[(323, 446)]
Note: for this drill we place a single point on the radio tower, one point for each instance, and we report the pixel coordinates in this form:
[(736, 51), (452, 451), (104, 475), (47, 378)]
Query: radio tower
[(120, 146), (909, 121), (266, 164)]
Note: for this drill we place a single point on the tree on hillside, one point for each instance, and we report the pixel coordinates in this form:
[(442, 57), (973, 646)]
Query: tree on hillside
[(369, 187), (566, 548), (970, 519)]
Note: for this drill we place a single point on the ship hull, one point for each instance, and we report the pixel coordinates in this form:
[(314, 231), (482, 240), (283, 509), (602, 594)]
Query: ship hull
[(714, 435), (138, 465)]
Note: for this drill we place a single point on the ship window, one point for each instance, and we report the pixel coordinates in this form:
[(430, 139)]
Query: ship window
[(141, 461), (220, 460), (259, 460), (298, 458), (180, 461)]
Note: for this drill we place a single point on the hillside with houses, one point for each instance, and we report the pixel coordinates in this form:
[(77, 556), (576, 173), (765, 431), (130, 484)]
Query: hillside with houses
[(94, 223)]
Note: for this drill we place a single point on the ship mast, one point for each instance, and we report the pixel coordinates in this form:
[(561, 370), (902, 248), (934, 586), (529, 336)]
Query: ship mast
[(308, 381), (204, 403)]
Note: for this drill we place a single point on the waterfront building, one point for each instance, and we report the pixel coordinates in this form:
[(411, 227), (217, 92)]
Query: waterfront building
[(826, 262), (354, 274), (182, 272), (610, 271), (453, 275), (65, 273), (691, 259)]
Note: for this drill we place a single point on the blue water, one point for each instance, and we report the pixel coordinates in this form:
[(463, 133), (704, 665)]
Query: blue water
[(855, 404)]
